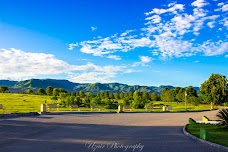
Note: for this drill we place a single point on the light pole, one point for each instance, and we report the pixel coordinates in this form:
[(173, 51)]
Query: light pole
[(185, 100)]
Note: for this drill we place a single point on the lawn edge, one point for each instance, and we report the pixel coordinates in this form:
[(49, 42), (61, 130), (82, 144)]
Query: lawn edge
[(203, 141)]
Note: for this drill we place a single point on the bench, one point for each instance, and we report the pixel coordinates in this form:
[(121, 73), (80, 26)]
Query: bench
[(125, 108), (3, 108), (72, 106), (51, 106), (149, 107), (95, 107), (206, 120)]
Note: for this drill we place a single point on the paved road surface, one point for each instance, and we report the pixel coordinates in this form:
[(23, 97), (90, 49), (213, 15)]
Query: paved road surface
[(146, 132)]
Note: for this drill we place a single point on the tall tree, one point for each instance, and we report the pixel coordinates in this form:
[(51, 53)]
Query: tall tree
[(180, 96), (49, 90), (164, 96), (130, 95), (215, 89), (81, 94), (191, 91), (41, 91), (56, 92), (3, 89), (29, 91), (106, 95), (116, 95), (168, 95), (121, 95), (145, 96), (154, 96), (111, 96)]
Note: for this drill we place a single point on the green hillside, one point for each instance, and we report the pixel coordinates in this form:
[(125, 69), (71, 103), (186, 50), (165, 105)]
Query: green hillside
[(35, 84)]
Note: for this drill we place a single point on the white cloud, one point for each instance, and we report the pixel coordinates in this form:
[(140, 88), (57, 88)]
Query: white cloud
[(220, 4), (169, 31), (17, 64), (92, 77), (214, 48), (93, 28), (225, 8), (126, 32), (211, 24), (199, 3), (172, 9), (115, 57), (143, 61), (154, 19), (72, 46)]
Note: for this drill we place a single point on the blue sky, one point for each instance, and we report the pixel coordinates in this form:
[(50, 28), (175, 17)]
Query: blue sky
[(143, 42)]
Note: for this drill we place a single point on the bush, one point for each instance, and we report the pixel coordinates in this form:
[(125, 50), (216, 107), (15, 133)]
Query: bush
[(159, 105), (63, 103), (126, 102), (111, 106), (107, 101), (149, 104), (137, 105), (225, 104), (194, 100), (54, 98), (95, 101), (223, 116)]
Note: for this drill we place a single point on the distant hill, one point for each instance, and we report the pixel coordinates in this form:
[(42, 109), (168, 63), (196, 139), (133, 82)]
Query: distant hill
[(35, 84)]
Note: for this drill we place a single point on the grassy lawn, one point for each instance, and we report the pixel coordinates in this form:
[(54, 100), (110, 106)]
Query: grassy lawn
[(219, 133), (15, 103)]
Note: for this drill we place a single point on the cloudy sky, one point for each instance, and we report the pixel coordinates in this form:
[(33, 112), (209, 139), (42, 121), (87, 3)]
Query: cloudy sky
[(141, 42)]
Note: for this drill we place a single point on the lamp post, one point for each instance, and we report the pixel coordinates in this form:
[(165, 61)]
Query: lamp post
[(185, 100)]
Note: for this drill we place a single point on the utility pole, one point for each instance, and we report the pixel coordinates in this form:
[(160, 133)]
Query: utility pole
[(186, 101)]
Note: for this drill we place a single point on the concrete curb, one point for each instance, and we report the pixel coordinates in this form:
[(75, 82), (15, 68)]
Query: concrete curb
[(203, 141)]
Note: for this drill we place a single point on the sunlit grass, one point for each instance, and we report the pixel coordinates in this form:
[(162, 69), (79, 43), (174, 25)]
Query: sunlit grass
[(15, 103), (219, 133)]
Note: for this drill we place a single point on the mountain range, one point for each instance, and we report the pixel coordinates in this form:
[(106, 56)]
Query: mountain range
[(35, 84)]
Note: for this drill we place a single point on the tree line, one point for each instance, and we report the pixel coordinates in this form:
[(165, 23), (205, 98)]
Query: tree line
[(213, 91)]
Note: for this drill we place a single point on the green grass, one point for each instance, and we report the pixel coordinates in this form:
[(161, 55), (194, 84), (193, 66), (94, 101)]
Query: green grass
[(23, 103), (219, 133)]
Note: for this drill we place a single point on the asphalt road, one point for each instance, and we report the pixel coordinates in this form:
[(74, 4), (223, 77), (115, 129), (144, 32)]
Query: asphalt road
[(146, 132)]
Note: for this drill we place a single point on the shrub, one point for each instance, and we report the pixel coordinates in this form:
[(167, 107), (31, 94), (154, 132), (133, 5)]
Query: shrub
[(225, 104), (111, 106), (137, 105), (54, 98), (223, 116), (149, 104), (194, 100)]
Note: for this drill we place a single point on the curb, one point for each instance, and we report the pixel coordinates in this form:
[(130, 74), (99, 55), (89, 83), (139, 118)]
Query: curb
[(203, 141)]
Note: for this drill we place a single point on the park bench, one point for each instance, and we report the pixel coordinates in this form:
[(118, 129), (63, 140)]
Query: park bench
[(95, 107), (206, 120), (127, 108), (149, 107), (72, 106), (52, 106), (3, 108)]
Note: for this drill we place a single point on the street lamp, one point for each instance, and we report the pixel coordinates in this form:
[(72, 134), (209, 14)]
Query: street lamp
[(185, 100)]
